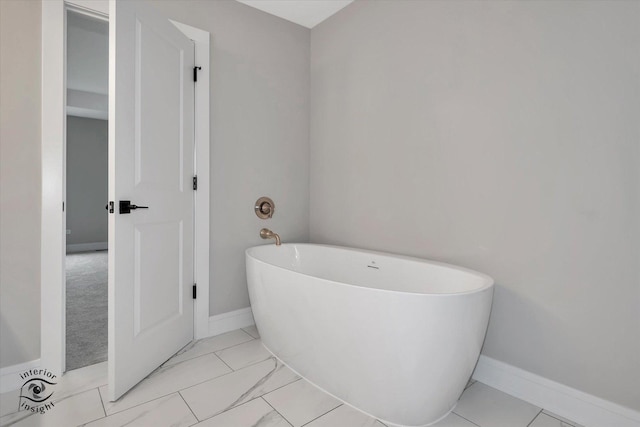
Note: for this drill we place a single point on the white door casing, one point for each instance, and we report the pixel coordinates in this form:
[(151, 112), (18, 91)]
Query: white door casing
[(151, 163)]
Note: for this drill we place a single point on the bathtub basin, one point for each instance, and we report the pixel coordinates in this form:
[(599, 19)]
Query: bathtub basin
[(394, 337)]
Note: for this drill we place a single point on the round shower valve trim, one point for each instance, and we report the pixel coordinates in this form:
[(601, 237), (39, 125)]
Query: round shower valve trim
[(264, 208)]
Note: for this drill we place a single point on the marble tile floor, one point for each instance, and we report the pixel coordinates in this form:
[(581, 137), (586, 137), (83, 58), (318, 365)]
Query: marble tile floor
[(231, 381)]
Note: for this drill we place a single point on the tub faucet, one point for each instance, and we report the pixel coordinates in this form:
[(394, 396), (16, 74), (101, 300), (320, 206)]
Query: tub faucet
[(265, 233)]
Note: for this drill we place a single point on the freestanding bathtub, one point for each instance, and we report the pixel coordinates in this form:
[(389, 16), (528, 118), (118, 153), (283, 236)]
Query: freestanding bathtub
[(394, 337)]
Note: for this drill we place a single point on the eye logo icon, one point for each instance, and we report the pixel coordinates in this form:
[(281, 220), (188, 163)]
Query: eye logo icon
[(37, 390)]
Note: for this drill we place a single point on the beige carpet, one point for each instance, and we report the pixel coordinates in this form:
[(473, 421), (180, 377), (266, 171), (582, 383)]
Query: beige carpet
[(86, 308)]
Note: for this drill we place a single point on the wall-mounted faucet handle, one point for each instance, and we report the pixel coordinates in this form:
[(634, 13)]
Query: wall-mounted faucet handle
[(264, 208), (265, 233)]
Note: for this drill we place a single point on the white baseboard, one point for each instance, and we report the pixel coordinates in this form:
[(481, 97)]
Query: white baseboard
[(583, 408), (83, 247), (227, 322), (10, 376)]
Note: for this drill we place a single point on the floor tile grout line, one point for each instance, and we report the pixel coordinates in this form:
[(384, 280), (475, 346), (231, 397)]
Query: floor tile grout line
[(453, 411), (203, 354), (209, 352), (237, 345), (466, 419), (236, 407), (12, 412), (102, 401), (571, 423), (534, 418), (278, 412), (244, 330), (167, 364), (301, 379), (76, 391), (320, 416), (541, 410), (225, 363), (16, 418), (282, 386), (471, 385), (90, 421), (135, 406), (185, 402), (142, 403), (227, 410), (234, 345), (246, 366), (262, 397), (190, 344), (232, 370), (331, 410)]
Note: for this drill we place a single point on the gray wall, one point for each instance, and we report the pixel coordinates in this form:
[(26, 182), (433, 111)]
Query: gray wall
[(20, 181), (501, 136), (259, 133), (87, 179)]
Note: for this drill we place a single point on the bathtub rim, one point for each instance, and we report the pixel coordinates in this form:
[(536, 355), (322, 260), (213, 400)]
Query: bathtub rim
[(489, 282)]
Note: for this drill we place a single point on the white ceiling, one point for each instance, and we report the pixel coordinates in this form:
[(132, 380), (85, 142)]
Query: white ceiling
[(87, 54), (307, 13), (87, 66)]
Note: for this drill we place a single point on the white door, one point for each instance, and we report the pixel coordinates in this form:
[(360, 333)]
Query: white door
[(151, 140)]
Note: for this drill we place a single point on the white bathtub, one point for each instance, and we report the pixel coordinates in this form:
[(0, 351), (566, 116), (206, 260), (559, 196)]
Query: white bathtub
[(394, 337)]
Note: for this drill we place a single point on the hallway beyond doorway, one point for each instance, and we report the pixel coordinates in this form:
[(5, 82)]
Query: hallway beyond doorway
[(86, 309)]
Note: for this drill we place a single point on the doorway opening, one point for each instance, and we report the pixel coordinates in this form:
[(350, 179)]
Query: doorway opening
[(86, 260)]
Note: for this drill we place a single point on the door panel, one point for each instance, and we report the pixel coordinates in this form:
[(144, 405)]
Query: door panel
[(151, 142), (155, 106), (158, 292)]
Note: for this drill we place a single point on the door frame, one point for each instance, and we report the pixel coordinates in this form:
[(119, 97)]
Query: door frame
[(53, 221)]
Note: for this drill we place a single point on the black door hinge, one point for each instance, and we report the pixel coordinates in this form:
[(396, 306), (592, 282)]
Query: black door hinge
[(195, 182), (195, 292), (195, 73)]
